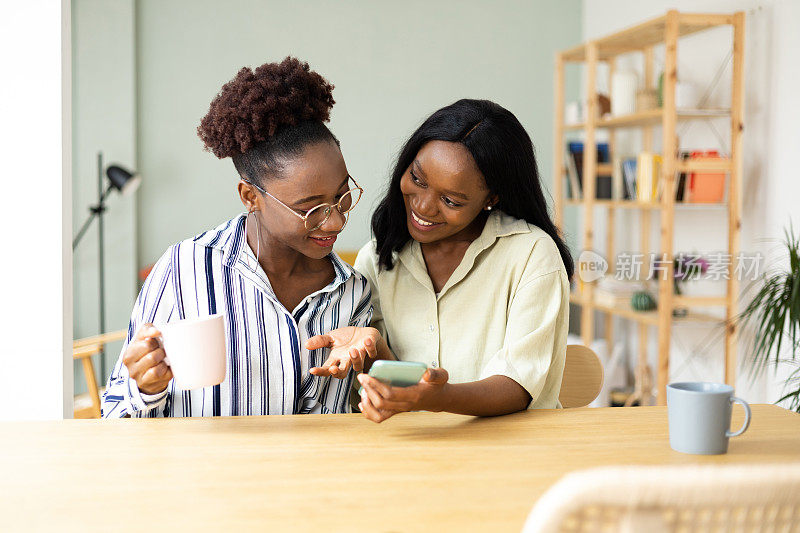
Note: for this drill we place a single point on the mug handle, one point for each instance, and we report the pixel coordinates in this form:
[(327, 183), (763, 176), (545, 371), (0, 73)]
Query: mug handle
[(160, 339), (746, 423), (166, 357)]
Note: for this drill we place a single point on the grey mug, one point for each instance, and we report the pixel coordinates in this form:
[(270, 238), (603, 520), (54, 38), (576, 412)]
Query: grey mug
[(700, 417)]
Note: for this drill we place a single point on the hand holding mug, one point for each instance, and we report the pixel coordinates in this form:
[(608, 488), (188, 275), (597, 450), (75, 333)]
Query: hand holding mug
[(144, 358)]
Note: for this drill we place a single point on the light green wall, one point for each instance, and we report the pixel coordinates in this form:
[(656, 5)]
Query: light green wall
[(392, 63), (103, 105)]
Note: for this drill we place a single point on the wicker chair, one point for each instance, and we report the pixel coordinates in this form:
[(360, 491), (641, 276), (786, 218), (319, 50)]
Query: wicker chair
[(719, 498)]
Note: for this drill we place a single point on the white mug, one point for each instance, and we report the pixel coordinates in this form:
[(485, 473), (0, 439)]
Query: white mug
[(195, 350)]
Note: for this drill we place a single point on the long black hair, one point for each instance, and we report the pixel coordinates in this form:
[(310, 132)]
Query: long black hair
[(504, 153)]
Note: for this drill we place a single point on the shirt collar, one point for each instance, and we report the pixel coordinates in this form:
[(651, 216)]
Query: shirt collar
[(498, 225), (230, 238)]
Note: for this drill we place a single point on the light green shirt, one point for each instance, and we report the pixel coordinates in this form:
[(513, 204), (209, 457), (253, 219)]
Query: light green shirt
[(504, 311)]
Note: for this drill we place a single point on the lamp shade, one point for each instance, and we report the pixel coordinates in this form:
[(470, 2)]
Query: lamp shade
[(122, 180)]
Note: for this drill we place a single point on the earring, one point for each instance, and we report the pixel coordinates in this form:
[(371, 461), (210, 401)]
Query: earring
[(488, 208), (258, 235)]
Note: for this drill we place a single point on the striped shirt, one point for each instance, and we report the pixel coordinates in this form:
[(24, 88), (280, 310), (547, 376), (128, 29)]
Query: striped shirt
[(268, 364)]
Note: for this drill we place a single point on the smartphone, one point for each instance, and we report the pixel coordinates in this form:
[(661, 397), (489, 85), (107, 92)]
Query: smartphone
[(398, 373)]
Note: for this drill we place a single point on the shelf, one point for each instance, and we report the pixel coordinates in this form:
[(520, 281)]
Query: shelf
[(661, 36), (646, 34), (704, 165), (651, 117), (650, 318), (630, 204), (602, 169)]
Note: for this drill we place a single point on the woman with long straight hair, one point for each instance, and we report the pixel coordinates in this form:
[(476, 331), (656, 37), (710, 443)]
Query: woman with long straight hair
[(468, 272)]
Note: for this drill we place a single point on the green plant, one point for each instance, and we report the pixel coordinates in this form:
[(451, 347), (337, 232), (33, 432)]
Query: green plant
[(774, 315), (643, 301), (686, 268)]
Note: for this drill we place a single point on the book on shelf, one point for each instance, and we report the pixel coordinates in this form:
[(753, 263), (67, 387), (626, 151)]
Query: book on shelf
[(603, 189), (610, 299), (613, 292), (618, 191), (629, 177), (573, 186), (648, 170), (680, 187), (574, 162), (640, 178)]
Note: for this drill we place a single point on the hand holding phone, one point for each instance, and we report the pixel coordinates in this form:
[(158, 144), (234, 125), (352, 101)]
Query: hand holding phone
[(399, 386), (398, 373)]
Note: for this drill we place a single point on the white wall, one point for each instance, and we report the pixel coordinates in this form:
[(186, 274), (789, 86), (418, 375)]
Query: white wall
[(104, 107), (36, 355), (393, 63), (771, 136)]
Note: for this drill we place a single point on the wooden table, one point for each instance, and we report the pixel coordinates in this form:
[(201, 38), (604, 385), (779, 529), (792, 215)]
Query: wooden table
[(417, 471)]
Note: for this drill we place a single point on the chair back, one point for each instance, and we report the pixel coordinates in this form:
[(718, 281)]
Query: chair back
[(348, 256), (583, 377), (659, 499), (88, 405)]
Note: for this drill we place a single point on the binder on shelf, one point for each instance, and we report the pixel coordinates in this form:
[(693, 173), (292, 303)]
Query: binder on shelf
[(706, 187)]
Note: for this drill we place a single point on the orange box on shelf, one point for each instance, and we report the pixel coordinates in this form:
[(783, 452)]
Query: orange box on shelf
[(706, 187)]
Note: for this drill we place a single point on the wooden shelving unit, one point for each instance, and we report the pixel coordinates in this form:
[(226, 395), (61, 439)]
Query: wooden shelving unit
[(666, 30), (651, 117)]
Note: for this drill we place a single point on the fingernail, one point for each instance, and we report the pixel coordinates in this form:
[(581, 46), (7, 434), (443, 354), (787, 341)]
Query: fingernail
[(361, 378)]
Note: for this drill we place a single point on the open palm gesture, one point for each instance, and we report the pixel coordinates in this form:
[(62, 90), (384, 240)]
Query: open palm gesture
[(350, 346)]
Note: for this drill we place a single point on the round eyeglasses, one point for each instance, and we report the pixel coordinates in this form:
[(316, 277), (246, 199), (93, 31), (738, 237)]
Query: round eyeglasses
[(315, 217)]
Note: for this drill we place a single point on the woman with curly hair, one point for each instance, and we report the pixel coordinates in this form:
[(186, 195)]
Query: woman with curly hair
[(469, 274), (269, 271)]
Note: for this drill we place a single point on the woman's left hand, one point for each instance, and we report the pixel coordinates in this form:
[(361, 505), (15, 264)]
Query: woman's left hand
[(380, 401), (350, 346)]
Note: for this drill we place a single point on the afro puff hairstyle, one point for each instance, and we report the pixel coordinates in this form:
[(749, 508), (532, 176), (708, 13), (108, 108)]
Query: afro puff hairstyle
[(264, 116)]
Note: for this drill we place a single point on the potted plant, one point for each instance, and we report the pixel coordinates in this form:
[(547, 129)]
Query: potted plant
[(686, 268), (774, 315)]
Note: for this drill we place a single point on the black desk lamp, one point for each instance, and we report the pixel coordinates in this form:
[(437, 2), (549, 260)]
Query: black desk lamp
[(126, 183)]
